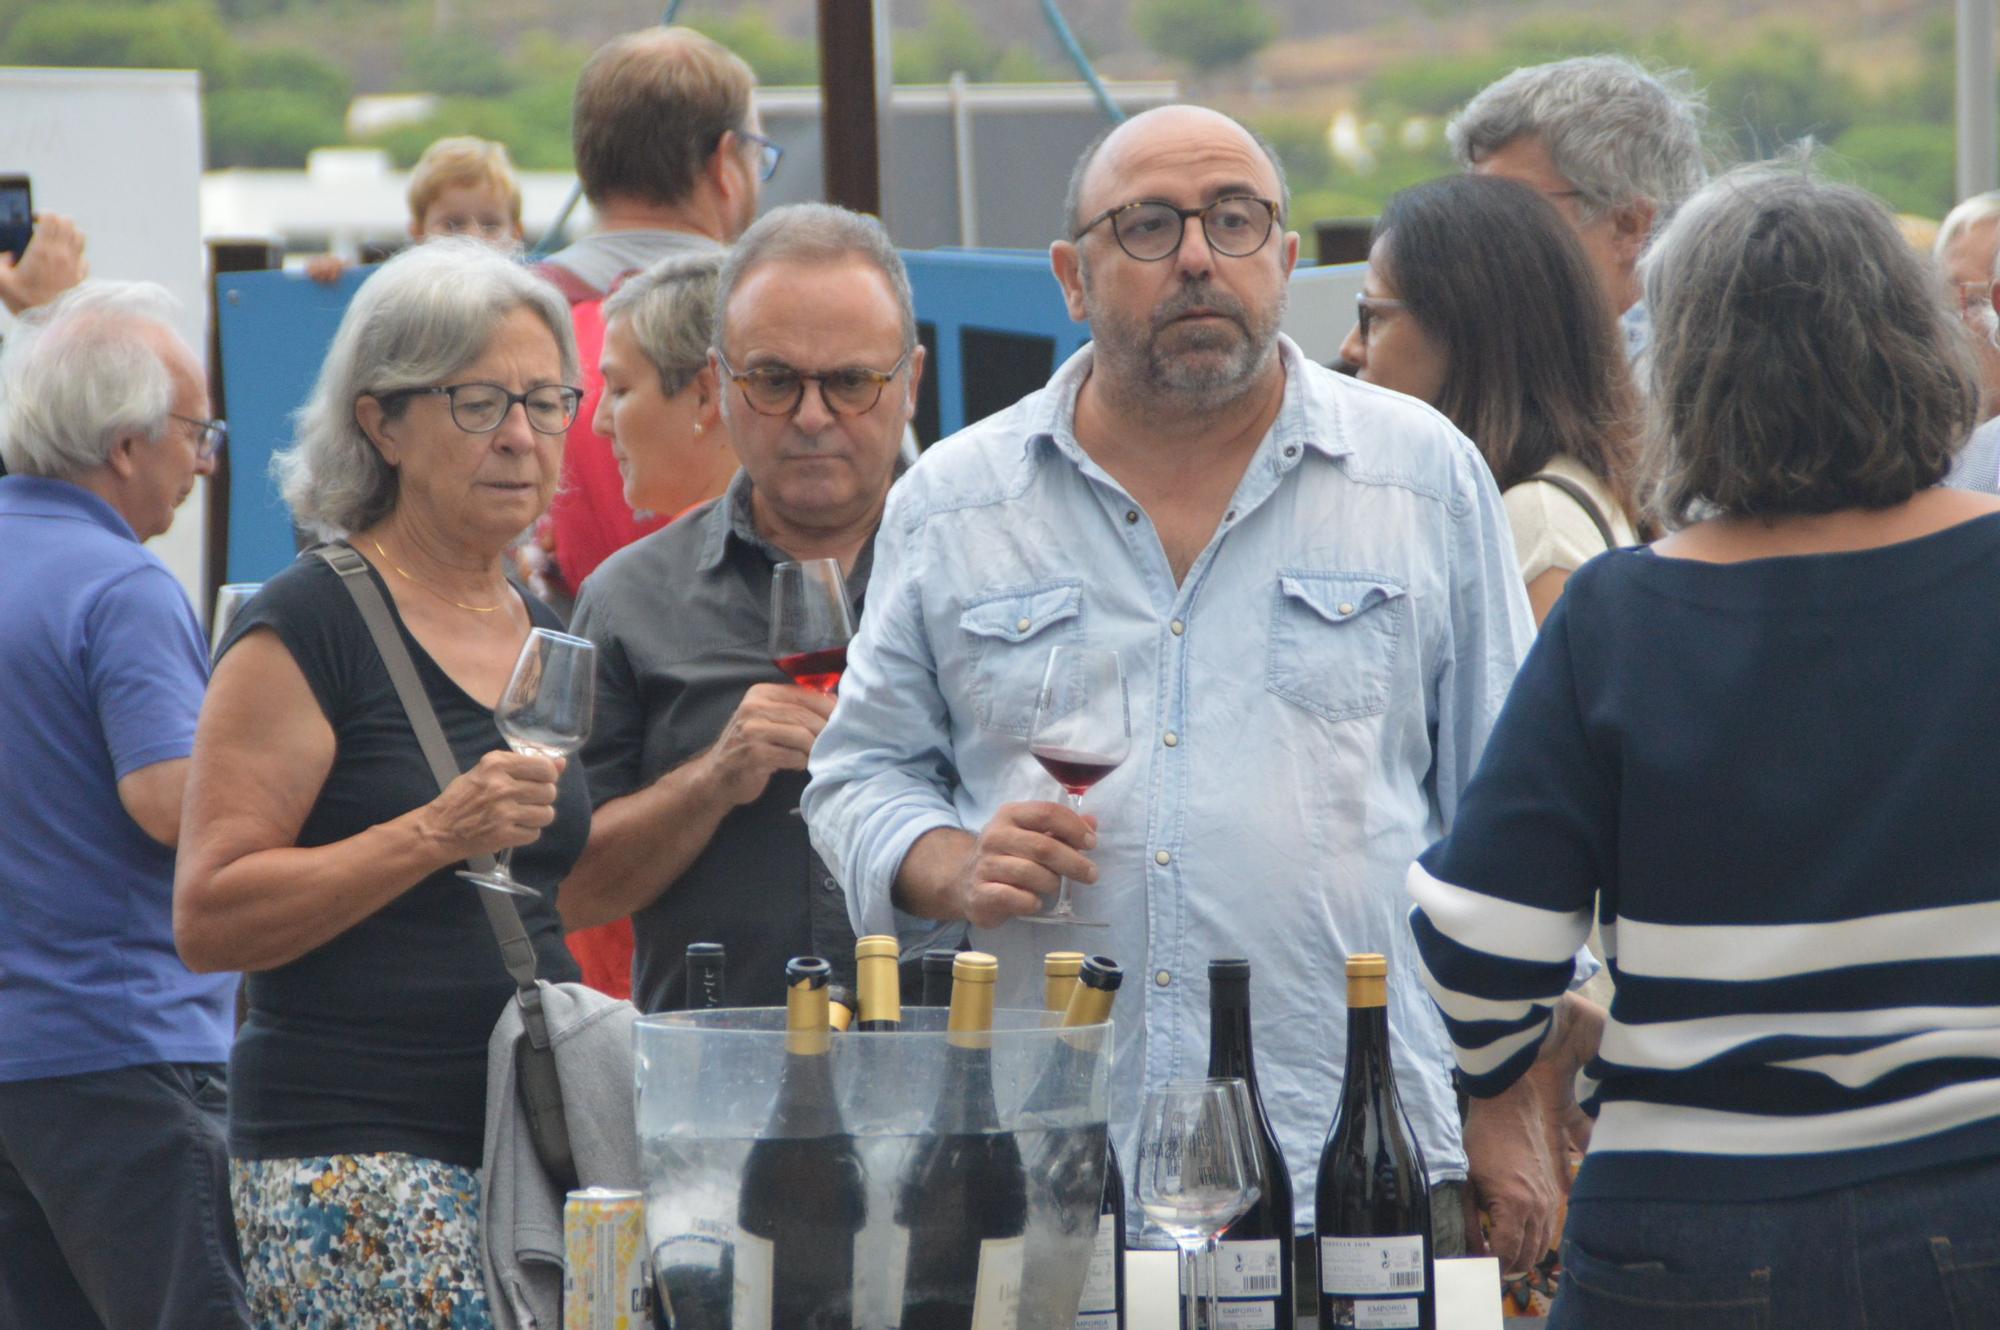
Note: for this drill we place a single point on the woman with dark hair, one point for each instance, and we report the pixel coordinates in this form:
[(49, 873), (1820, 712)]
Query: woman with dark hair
[(1480, 301), (1760, 754)]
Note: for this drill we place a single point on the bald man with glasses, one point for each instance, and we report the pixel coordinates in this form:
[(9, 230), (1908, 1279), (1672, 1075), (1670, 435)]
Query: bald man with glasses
[(698, 755)]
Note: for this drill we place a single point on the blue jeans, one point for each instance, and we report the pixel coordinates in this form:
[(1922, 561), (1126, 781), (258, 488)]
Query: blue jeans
[(1920, 1251)]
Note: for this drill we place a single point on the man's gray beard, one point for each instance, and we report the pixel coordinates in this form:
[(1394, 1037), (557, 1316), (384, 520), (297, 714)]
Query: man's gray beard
[(1170, 380)]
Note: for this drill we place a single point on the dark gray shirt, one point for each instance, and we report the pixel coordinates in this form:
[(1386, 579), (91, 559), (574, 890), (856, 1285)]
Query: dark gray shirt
[(681, 620)]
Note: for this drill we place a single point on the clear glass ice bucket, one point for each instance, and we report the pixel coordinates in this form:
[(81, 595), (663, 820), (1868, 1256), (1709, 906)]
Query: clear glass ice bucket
[(706, 1085)]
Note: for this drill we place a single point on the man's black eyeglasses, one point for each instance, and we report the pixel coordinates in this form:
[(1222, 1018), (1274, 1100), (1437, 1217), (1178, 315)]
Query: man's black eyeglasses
[(211, 436), (768, 153), (478, 408), (777, 390), (1236, 226)]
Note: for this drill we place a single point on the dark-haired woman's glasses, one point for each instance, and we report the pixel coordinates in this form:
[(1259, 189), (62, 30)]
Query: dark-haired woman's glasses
[(1367, 309), (478, 408)]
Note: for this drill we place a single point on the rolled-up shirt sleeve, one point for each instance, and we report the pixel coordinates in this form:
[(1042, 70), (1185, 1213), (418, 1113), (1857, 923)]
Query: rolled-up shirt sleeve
[(1504, 901), (882, 773)]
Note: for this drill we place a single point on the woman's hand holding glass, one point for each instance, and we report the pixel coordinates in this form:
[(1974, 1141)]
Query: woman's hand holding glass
[(544, 713)]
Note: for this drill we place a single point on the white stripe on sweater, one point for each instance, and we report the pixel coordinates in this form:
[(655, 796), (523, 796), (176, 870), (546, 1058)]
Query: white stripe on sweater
[(1747, 952), (1498, 927)]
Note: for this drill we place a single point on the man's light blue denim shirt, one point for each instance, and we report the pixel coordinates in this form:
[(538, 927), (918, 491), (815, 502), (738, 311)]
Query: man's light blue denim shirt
[(1307, 705)]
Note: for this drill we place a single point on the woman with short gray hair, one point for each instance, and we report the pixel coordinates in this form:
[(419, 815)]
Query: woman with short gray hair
[(318, 854), (1759, 753)]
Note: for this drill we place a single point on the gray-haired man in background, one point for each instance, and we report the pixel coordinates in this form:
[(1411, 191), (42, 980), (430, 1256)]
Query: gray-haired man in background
[(1614, 147)]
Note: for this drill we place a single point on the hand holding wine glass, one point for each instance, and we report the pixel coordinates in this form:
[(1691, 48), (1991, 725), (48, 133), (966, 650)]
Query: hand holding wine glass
[(1193, 1174), (1082, 731), (545, 711), (812, 621)]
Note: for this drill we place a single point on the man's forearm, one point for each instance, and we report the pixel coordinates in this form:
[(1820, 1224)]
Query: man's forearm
[(926, 884), (640, 845)]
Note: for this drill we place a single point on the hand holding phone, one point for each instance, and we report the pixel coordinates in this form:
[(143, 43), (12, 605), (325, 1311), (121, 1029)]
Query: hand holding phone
[(17, 215)]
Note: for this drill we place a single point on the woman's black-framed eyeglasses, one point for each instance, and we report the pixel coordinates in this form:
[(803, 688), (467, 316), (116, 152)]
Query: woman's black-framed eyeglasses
[(769, 154), (1367, 309), (1236, 226), (211, 436), (478, 408), (777, 390)]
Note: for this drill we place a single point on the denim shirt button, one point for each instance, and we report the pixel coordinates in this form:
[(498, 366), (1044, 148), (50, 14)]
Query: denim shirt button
[(1163, 977), (1131, 514), (1163, 858), (1170, 739), (1178, 627)]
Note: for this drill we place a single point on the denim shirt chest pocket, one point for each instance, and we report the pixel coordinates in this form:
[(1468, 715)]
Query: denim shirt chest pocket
[(1007, 634), (1334, 641)]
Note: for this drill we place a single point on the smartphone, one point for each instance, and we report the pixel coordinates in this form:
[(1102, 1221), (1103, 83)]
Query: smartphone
[(17, 215)]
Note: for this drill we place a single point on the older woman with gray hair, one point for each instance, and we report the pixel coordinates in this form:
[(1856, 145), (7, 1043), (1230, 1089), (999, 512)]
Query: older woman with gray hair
[(1760, 754), (318, 853)]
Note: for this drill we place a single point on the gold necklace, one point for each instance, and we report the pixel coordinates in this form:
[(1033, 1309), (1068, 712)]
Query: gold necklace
[(476, 609)]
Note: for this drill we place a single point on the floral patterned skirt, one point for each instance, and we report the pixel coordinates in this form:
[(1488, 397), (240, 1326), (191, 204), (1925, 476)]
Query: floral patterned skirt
[(360, 1242)]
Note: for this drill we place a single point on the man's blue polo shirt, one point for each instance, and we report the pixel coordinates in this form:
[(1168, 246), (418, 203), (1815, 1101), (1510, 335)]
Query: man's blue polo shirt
[(104, 667)]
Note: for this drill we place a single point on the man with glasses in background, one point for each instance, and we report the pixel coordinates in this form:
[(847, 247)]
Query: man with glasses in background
[(1310, 584), (114, 1201), (671, 155), (698, 754)]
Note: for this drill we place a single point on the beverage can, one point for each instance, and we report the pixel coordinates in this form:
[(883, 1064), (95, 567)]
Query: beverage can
[(605, 1283)]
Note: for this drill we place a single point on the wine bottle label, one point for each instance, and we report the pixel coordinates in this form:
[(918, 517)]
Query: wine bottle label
[(1360, 1267), (1248, 1281), (754, 1267), (1387, 1314), (996, 1297), (1099, 1305)]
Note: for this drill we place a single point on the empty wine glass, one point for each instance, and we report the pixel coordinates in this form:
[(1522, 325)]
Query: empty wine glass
[(812, 621), (1083, 730), (545, 712), (229, 598), (1194, 1175)]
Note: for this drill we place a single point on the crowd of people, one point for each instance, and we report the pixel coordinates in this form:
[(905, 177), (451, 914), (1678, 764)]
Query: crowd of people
[(1605, 601)]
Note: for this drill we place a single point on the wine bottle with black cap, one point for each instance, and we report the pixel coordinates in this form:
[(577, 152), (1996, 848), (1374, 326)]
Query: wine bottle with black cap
[(1372, 1214), (1253, 1274), (879, 983), (704, 975), (937, 977), (804, 1195), (1102, 1306), (964, 1196)]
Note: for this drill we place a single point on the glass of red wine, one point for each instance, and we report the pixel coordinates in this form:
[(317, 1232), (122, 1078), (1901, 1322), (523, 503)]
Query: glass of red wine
[(1083, 730), (811, 622)]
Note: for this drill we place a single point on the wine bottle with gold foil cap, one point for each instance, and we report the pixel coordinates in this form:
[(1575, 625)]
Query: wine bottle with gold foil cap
[(878, 982), (1059, 972), (1102, 1306), (804, 1195), (963, 1197), (1372, 1214)]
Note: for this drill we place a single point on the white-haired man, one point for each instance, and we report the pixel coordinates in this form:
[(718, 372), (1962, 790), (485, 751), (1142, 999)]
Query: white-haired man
[(1613, 147), (114, 1204)]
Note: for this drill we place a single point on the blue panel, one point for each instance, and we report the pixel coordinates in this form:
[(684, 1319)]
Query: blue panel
[(998, 290), (275, 328)]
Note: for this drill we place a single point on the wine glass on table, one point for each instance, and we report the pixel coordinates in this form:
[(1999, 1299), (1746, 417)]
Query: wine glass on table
[(1083, 730), (811, 623), (1195, 1177), (544, 712)]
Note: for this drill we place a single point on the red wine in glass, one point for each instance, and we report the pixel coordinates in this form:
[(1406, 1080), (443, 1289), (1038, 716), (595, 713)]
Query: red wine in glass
[(811, 623), (1082, 731), (817, 670), (1075, 772)]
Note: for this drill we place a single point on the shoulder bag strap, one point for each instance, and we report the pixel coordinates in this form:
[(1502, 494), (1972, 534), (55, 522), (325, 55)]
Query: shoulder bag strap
[(515, 949), (1583, 501)]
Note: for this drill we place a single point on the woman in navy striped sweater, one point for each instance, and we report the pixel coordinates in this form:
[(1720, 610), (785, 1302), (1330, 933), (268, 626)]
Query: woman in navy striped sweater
[(1763, 751)]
